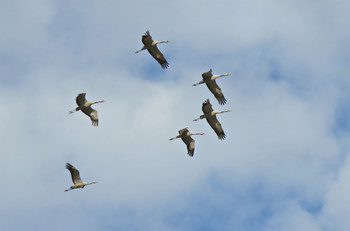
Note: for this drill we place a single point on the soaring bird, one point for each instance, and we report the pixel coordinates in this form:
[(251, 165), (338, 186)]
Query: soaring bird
[(185, 135), (209, 80), (210, 115), (78, 183), (151, 46), (85, 106)]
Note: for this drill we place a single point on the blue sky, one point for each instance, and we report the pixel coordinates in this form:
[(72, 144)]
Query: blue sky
[(284, 164)]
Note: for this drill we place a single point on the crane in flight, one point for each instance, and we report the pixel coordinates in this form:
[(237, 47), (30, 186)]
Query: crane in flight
[(210, 115), (185, 135), (151, 46), (209, 80), (78, 183), (85, 107)]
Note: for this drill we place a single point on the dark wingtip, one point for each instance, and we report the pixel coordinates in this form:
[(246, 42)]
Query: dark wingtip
[(206, 101), (165, 65), (68, 165), (94, 123), (221, 136), (147, 32), (191, 153), (222, 101)]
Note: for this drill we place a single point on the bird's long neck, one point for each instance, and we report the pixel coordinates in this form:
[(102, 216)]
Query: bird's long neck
[(91, 183), (218, 76), (195, 133), (157, 42), (218, 112), (100, 101)]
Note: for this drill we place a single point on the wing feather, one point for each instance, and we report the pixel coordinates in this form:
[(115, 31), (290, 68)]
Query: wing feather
[(74, 173), (189, 141), (92, 113), (207, 107), (216, 90), (207, 75), (81, 99), (147, 38), (216, 126), (158, 55)]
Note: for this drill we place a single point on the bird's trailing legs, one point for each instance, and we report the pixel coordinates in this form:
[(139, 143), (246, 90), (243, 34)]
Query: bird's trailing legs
[(200, 82), (74, 110), (176, 137), (199, 118), (68, 189), (143, 48)]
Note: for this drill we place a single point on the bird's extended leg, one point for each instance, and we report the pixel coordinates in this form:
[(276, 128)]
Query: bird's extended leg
[(218, 76), (140, 50), (200, 82), (68, 189), (175, 137), (74, 110), (199, 118)]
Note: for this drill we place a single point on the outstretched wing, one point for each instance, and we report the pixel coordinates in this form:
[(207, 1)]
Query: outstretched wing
[(92, 113), (212, 120), (183, 131), (207, 107), (147, 38), (189, 144), (157, 55), (74, 173), (216, 90), (207, 75), (81, 99), (216, 126)]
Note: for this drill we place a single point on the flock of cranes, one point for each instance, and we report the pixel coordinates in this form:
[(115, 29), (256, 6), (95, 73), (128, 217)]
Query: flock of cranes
[(209, 113)]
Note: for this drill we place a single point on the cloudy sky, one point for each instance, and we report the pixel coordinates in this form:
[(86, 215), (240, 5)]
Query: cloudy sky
[(285, 162)]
